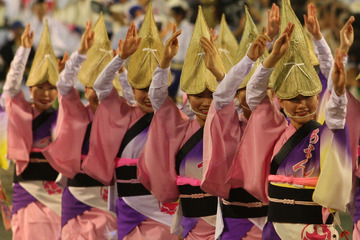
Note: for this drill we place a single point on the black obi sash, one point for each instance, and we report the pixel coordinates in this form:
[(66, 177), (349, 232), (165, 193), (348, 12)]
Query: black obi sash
[(128, 174), (241, 195), (200, 205)]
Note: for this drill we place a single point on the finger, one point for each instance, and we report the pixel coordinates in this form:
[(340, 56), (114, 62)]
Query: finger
[(31, 35), (66, 55), (138, 42), (174, 28), (268, 15), (261, 40), (291, 31), (262, 31), (349, 22), (306, 20)]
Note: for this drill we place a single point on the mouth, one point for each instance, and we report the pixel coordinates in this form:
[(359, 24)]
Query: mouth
[(302, 113), (204, 111), (148, 104), (45, 102)]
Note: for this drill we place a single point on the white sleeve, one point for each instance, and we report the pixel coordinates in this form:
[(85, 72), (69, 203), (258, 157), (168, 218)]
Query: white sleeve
[(227, 88), (323, 52), (158, 91), (15, 75), (67, 78), (126, 88), (257, 86), (335, 111), (103, 84)]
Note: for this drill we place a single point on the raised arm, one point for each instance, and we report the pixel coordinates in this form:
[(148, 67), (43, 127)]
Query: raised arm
[(256, 88), (273, 24), (346, 40), (103, 83), (227, 88), (158, 90), (15, 75), (67, 77), (335, 111), (127, 91), (322, 49)]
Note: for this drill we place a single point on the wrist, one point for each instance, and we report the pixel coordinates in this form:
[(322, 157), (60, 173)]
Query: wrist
[(271, 61), (317, 36), (82, 51), (165, 63)]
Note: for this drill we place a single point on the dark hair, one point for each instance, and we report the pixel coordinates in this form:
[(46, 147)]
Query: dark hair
[(179, 11)]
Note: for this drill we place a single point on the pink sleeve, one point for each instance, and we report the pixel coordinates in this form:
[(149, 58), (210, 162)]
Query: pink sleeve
[(20, 137), (156, 166), (251, 164), (110, 123), (221, 138), (64, 154)]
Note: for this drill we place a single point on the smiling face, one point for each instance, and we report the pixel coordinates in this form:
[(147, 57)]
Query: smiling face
[(44, 96), (200, 104), (142, 99), (300, 106), (91, 96)]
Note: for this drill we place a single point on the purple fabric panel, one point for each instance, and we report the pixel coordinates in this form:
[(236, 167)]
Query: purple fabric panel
[(21, 198), (188, 224), (45, 129), (127, 218), (235, 228), (269, 232), (323, 81), (71, 207), (357, 205)]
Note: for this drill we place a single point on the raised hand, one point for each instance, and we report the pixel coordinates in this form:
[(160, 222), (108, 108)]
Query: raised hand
[(347, 35), (61, 63), (339, 74), (131, 42), (210, 58), (258, 46), (87, 39), (312, 23), (280, 46), (273, 21), (27, 38), (171, 48)]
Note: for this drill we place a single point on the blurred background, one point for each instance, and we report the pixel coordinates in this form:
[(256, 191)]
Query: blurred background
[(67, 21)]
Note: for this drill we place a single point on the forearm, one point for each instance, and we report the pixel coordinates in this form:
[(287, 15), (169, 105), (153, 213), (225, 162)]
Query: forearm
[(103, 84), (257, 86), (158, 91), (126, 88), (227, 88), (15, 75), (335, 111), (323, 52), (67, 77)]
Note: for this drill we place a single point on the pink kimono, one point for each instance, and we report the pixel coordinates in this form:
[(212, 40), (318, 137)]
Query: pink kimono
[(171, 164), (305, 177), (242, 216), (36, 198), (114, 150)]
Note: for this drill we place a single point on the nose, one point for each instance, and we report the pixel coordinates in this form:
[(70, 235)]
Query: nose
[(207, 102), (302, 103)]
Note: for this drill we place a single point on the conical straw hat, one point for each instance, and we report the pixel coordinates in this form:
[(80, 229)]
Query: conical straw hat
[(98, 56), (227, 45), (294, 74), (144, 61), (195, 77), (44, 67)]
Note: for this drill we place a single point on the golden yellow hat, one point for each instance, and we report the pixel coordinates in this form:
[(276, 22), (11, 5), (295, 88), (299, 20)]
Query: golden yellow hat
[(313, 58), (249, 35), (227, 45), (195, 77), (98, 56), (294, 74), (143, 62), (44, 67)]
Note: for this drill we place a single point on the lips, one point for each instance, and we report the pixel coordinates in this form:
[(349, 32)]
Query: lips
[(303, 113), (45, 102), (204, 111), (148, 104)]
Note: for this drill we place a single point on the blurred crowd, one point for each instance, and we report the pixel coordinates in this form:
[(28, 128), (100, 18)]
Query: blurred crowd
[(67, 21)]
